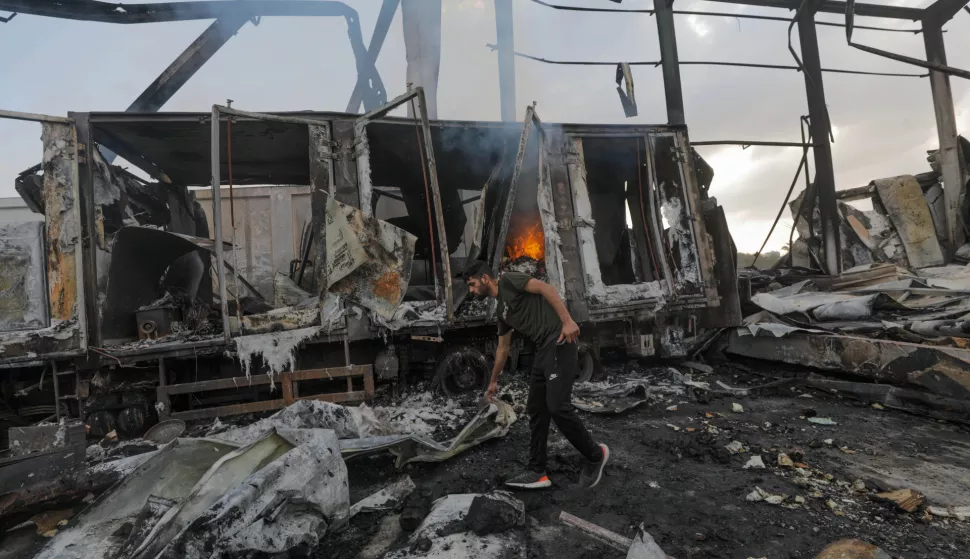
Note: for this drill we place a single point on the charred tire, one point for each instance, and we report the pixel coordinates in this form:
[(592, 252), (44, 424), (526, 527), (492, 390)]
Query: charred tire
[(461, 370), (587, 363)]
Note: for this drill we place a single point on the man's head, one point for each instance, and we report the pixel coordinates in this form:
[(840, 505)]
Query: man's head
[(481, 280)]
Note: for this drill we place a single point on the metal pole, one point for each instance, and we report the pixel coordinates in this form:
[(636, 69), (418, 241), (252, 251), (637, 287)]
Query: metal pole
[(670, 61), (505, 37), (954, 172), (824, 169), (57, 392), (217, 222)]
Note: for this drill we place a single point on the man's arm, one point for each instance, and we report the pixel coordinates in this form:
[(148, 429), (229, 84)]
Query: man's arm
[(501, 355), (570, 330)]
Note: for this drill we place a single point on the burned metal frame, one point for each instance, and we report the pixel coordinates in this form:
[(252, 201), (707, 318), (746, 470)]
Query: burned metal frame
[(216, 162), (65, 250), (366, 186), (931, 19), (229, 18)]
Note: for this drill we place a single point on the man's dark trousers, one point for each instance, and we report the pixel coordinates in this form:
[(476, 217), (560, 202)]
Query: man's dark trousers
[(554, 370)]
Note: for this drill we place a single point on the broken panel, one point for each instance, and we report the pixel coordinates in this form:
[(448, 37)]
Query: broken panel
[(523, 230), (682, 224), (405, 158), (60, 271), (616, 218), (23, 289)]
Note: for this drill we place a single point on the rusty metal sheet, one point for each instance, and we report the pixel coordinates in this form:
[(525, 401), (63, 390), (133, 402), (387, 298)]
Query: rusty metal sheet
[(23, 289), (377, 281), (940, 370), (63, 227), (910, 215)]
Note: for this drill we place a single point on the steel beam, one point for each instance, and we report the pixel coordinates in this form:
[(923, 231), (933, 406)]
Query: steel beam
[(216, 162), (670, 61), (943, 11), (837, 7), (112, 12), (953, 166), (505, 37), (373, 95), (188, 63), (819, 120)]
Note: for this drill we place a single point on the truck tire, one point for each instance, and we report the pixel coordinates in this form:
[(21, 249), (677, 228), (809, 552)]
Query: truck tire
[(462, 370)]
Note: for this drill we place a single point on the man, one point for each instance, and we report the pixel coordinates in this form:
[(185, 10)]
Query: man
[(534, 309)]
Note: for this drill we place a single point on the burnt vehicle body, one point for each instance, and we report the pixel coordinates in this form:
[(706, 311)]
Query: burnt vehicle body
[(324, 251)]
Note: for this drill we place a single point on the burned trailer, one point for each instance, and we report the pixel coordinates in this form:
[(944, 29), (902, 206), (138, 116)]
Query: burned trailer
[(273, 257)]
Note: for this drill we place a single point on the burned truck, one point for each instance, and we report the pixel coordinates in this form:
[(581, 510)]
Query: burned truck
[(197, 265)]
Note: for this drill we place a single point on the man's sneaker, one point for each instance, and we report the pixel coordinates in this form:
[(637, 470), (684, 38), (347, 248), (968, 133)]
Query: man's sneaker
[(593, 471), (529, 480)]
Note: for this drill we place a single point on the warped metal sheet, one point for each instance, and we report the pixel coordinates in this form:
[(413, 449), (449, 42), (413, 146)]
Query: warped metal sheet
[(376, 277), (907, 208)]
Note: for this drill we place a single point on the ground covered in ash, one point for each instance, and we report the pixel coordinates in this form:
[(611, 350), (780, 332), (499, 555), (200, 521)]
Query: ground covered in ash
[(672, 471)]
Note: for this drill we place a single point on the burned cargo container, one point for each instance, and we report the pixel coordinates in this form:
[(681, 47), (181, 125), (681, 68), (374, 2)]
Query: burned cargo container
[(250, 259)]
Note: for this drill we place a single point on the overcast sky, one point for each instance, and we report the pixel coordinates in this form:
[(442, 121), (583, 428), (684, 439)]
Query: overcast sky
[(883, 125)]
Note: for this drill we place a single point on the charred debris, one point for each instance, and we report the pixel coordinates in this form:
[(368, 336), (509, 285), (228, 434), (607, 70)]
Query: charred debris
[(280, 369)]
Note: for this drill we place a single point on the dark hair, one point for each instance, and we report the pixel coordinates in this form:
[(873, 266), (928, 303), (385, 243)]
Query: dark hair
[(477, 269)]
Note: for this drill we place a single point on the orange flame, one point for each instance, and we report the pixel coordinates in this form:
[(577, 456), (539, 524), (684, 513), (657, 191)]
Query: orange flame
[(528, 241)]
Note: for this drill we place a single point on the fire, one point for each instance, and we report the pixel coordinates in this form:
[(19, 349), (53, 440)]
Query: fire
[(528, 241)]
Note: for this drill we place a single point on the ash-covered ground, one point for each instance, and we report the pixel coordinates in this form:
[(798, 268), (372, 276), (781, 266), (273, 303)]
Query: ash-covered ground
[(672, 471)]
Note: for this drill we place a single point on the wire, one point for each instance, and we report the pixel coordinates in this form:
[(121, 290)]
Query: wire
[(781, 210), (717, 14), (785, 19), (600, 10), (709, 63)]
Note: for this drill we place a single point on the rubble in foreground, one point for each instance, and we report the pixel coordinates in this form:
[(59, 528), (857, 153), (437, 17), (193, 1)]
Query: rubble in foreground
[(682, 467)]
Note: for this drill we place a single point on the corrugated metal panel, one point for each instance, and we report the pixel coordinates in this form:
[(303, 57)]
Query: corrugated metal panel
[(269, 225)]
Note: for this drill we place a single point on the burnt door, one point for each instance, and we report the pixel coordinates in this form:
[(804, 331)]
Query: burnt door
[(521, 230), (439, 254), (688, 251)]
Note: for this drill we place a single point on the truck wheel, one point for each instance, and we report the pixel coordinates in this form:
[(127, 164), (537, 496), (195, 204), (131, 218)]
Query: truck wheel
[(587, 363), (461, 370)]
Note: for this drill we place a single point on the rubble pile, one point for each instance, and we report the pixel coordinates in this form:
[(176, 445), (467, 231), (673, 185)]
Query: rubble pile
[(718, 461), (898, 316)]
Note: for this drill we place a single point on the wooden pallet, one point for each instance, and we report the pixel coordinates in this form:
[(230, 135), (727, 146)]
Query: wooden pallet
[(289, 390)]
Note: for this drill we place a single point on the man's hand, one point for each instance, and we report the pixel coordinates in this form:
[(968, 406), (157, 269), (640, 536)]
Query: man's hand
[(491, 391), (570, 332)]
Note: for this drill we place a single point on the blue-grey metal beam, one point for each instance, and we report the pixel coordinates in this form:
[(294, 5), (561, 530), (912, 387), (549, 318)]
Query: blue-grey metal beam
[(952, 164), (505, 38), (188, 63), (370, 89), (670, 61), (822, 150)]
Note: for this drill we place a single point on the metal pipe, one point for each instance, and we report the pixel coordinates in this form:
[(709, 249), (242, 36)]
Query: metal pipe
[(217, 223)]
